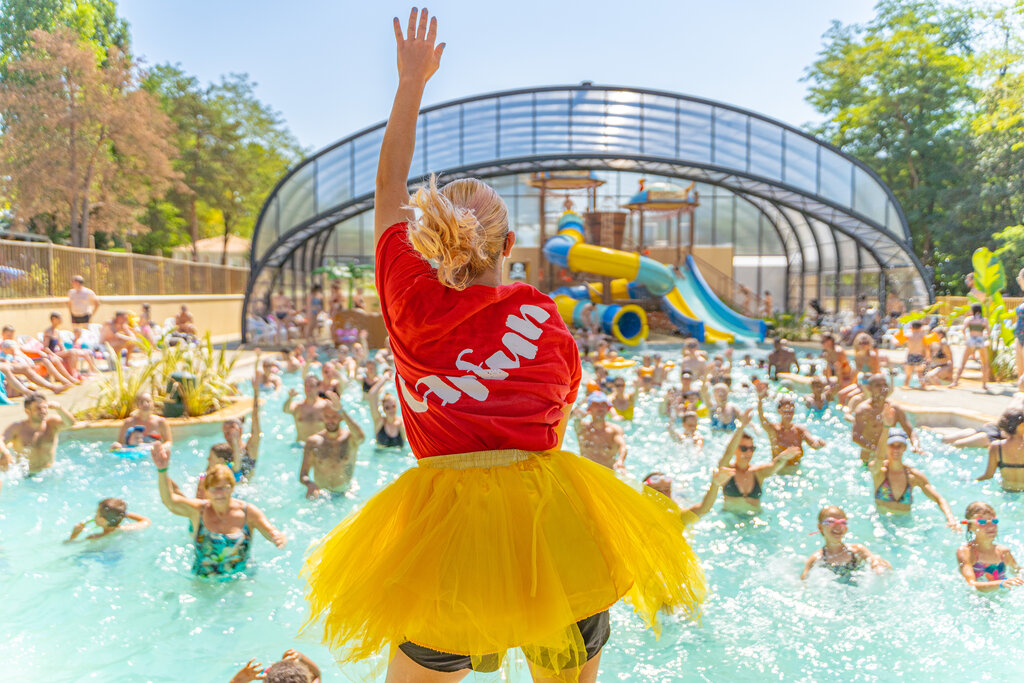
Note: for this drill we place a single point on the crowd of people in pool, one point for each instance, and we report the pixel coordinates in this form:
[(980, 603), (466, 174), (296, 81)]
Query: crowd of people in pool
[(861, 389), (698, 389)]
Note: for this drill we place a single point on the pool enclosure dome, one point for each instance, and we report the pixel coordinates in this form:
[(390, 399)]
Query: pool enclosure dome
[(825, 220)]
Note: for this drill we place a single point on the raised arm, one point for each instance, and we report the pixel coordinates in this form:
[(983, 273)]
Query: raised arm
[(175, 502), (289, 403), (762, 391), (373, 398), (734, 442), (418, 59), (358, 435), (252, 446), (718, 480), (66, 418), (881, 451)]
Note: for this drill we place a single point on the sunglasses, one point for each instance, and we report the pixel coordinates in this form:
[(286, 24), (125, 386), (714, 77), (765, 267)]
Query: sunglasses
[(748, 449), (835, 521), (982, 522)]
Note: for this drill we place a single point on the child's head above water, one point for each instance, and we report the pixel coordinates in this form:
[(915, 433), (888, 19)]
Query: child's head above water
[(111, 512)]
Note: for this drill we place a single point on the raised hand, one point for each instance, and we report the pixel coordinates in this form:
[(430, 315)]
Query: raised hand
[(334, 400), (253, 671), (889, 415), (161, 455), (746, 416), (418, 57)]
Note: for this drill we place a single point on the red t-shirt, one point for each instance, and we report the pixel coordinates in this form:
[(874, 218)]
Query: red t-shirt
[(480, 369)]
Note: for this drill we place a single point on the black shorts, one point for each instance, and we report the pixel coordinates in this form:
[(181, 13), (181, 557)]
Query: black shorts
[(81, 319), (595, 631)]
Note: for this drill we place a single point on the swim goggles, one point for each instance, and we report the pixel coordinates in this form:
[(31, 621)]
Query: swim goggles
[(835, 521), (982, 522)]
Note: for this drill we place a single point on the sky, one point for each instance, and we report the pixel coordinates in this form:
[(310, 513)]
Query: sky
[(329, 66)]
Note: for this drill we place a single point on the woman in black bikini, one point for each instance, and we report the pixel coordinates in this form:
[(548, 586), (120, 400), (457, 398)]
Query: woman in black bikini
[(387, 425), (742, 492), (842, 559), (1007, 455)]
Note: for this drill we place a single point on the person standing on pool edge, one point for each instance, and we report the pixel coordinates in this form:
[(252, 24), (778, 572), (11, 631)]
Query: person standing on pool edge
[(497, 539)]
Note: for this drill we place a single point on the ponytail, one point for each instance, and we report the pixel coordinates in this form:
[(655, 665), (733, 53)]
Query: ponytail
[(462, 228)]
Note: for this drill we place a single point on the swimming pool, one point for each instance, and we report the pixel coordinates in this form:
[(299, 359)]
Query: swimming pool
[(129, 609)]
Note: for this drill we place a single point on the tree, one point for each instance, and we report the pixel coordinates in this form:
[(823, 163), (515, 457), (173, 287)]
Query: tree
[(262, 150), (83, 144), (897, 92), (232, 148), (95, 21)]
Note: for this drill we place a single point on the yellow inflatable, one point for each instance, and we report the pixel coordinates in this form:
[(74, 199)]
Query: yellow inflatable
[(930, 338), (614, 363)]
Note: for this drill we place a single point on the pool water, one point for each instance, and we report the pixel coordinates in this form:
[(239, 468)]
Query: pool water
[(129, 609)]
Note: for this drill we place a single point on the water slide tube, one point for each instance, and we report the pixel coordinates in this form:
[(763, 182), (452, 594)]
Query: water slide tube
[(710, 308), (568, 249)]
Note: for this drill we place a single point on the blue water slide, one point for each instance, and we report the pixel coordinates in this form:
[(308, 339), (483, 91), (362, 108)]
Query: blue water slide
[(706, 304)]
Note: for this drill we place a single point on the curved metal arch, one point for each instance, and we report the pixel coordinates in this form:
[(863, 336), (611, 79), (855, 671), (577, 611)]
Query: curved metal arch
[(679, 97), (286, 245), (770, 150), (830, 211)]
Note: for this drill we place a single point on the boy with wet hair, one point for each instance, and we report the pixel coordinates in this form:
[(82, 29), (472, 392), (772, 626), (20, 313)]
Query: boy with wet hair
[(293, 667), (110, 514)]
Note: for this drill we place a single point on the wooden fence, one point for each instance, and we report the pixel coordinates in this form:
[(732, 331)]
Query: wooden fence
[(32, 270)]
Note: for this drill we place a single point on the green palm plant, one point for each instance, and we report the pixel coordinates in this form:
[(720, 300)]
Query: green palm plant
[(990, 280), (116, 399)]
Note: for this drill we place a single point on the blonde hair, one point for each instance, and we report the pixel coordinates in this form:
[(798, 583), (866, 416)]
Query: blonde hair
[(831, 511), (979, 508), (462, 228), (219, 474)]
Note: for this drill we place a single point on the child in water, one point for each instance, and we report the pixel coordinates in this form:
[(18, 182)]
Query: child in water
[(110, 514), (983, 564), (840, 558)]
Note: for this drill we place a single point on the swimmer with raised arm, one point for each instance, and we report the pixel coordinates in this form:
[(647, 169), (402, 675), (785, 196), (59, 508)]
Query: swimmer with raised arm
[(785, 433), (742, 492), (893, 481), (223, 524), (842, 559), (487, 376), (982, 563), (329, 457)]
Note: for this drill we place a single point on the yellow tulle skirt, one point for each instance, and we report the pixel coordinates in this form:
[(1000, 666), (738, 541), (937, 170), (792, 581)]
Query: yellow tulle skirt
[(476, 553)]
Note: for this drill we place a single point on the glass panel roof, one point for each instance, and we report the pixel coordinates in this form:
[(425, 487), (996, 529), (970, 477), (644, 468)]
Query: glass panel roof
[(795, 180)]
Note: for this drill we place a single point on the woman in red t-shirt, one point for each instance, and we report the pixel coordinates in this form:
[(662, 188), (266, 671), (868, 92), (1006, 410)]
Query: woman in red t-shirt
[(497, 539)]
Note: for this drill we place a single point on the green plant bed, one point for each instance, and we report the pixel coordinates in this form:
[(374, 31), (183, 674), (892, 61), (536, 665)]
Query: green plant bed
[(191, 380)]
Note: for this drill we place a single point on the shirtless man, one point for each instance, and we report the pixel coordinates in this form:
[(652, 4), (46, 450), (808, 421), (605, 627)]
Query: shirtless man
[(660, 373), (307, 413), (36, 437), (185, 322), (331, 452), (781, 359), (600, 440), (117, 334), (82, 302), (153, 427), (694, 359), (784, 433), (867, 419)]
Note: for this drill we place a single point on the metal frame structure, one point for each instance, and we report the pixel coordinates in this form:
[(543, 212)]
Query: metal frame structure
[(826, 208)]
